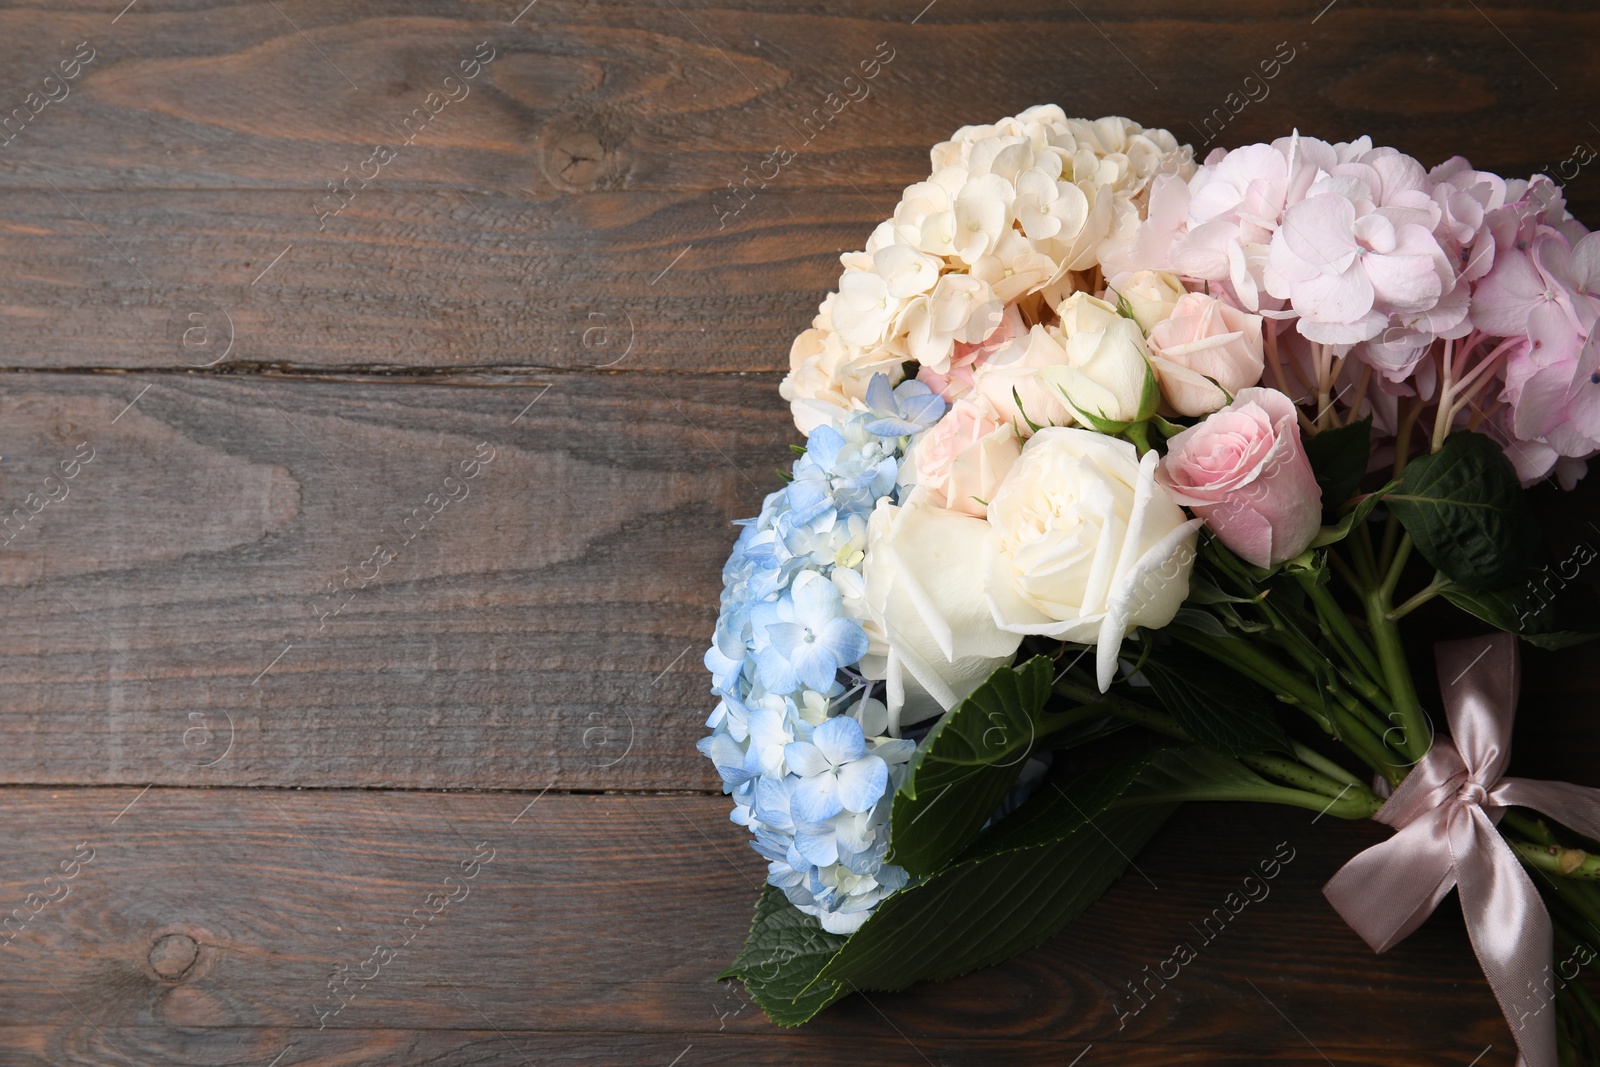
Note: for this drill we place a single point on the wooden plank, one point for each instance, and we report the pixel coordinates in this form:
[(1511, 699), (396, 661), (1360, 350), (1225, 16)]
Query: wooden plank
[(169, 618), (170, 621), (593, 931), (577, 198)]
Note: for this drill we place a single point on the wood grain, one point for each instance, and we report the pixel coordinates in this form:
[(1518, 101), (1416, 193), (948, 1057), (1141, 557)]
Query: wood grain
[(171, 619), (580, 941), (578, 196), (556, 265), (541, 621)]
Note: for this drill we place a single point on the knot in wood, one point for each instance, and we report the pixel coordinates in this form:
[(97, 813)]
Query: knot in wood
[(173, 955)]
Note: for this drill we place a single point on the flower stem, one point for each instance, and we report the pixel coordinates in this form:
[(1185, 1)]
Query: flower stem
[(1338, 626), (1334, 718), (1408, 717), (1318, 762), (1350, 806), (1366, 563), (1349, 798), (1127, 710), (1533, 829), (1303, 777), (1447, 374), (1252, 663), (1397, 566), (1558, 861), (1439, 584), (1402, 437)]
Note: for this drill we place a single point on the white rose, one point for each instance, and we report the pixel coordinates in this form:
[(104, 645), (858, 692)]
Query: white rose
[(1085, 544), (1012, 382), (1082, 312), (927, 600), (1151, 295), (1106, 377)]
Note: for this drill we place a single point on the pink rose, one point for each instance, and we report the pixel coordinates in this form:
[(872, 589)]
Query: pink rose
[(1205, 338), (1244, 471), (963, 459)]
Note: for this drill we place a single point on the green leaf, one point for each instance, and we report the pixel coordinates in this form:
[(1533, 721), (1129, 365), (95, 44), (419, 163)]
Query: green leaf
[(1016, 887), (1095, 420), (1203, 589), (1548, 609), (1033, 427), (1355, 516), (1339, 459), (1467, 514), (1216, 706), (1167, 429), (1035, 872), (965, 767), (780, 960), (1124, 308)]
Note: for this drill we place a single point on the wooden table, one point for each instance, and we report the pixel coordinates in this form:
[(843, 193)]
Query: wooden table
[(289, 281)]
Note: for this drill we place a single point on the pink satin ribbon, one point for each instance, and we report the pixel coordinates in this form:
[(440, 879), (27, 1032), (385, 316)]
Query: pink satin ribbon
[(1444, 815)]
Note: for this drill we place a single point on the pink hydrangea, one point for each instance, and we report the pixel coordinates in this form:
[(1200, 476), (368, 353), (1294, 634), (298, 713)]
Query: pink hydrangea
[(1360, 248), (1548, 278)]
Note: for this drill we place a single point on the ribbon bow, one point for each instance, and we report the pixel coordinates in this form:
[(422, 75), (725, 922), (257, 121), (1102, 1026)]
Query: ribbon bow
[(1444, 815)]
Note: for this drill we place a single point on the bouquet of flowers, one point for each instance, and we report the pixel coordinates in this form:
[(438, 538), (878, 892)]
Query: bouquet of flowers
[(1121, 475)]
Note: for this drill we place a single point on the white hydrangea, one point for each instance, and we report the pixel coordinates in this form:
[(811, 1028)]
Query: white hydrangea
[(1009, 210)]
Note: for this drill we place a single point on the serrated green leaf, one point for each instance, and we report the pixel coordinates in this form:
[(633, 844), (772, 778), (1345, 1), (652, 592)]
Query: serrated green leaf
[(1545, 609), (1036, 871), (780, 960), (1018, 885), (1339, 459), (965, 767), (1467, 514), (1217, 707)]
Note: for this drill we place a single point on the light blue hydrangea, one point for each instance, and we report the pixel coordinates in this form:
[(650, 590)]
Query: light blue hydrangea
[(836, 771), (800, 743), (909, 408), (803, 638)]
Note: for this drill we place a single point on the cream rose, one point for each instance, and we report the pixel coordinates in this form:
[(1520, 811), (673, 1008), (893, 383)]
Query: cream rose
[(927, 601), (1106, 377), (1151, 295), (1085, 545), (1082, 312), (1012, 382), (1204, 353)]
